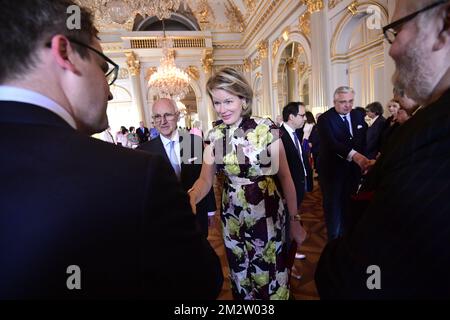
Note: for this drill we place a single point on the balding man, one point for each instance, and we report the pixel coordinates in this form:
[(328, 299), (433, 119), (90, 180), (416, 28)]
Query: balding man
[(399, 248), (183, 151)]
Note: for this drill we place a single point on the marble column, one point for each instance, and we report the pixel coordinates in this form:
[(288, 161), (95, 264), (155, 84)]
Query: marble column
[(321, 91), (134, 68)]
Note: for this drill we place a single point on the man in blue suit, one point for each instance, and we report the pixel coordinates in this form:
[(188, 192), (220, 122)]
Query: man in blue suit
[(342, 134)]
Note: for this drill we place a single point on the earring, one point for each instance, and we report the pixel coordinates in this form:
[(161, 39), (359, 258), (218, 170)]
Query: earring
[(244, 106)]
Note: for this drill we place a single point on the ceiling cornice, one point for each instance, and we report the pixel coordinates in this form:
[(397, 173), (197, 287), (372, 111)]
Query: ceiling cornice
[(272, 6)]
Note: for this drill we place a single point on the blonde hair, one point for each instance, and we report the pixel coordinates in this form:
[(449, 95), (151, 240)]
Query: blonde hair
[(233, 82)]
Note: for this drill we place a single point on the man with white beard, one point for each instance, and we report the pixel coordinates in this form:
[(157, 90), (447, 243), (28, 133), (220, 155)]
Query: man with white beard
[(399, 248)]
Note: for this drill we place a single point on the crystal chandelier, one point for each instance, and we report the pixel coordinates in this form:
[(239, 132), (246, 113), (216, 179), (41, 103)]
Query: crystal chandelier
[(168, 80)]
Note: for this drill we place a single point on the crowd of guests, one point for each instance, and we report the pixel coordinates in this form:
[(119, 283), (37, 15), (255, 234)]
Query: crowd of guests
[(65, 237)]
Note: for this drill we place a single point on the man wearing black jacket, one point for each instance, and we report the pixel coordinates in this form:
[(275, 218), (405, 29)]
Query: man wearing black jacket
[(81, 218)]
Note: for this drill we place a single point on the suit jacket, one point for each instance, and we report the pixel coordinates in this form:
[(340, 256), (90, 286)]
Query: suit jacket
[(191, 154), (119, 215), (143, 136), (295, 165), (336, 143), (405, 230), (373, 140)]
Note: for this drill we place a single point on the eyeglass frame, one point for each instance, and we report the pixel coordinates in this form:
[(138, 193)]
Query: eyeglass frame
[(115, 65), (165, 116), (390, 28)]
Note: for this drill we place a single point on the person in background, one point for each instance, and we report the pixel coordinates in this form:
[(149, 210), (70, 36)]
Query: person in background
[(121, 137), (399, 248), (132, 139), (143, 133), (196, 129), (374, 132)]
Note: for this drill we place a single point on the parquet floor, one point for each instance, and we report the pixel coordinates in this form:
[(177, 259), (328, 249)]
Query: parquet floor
[(312, 215)]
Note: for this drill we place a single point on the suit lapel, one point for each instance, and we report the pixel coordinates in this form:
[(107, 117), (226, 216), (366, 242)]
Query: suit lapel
[(161, 150), (338, 119)]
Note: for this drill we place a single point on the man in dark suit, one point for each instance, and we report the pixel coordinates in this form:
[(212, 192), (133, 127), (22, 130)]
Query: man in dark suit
[(375, 113), (183, 151), (143, 133), (301, 172), (399, 248), (342, 134), (72, 227)]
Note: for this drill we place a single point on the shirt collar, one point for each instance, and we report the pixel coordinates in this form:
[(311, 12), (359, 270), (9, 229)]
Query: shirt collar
[(288, 128), (8, 93), (175, 137)]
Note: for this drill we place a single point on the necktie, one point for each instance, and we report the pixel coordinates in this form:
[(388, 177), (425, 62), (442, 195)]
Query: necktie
[(174, 159), (347, 124), (297, 145)]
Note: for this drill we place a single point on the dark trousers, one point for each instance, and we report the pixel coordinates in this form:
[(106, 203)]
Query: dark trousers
[(336, 193)]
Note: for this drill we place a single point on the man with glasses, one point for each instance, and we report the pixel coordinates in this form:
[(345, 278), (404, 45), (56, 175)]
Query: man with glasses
[(294, 117), (183, 151), (69, 227), (399, 248)]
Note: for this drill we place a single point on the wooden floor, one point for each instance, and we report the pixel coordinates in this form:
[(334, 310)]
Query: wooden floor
[(312, 215)]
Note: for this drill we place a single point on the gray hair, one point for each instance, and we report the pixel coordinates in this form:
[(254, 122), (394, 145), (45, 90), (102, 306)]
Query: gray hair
[(343, 89)]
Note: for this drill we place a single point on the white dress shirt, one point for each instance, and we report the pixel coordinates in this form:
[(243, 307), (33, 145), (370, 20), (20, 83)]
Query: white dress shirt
[(166, 144), (291, 134), (8, 93)]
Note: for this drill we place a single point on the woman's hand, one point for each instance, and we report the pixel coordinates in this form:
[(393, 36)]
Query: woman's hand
[(297, 232)]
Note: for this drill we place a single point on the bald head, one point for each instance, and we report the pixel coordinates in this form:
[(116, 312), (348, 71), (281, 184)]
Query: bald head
[(165, 117)]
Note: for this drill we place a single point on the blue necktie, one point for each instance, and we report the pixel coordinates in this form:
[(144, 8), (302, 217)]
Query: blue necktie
[(174, 159), (347, 124)]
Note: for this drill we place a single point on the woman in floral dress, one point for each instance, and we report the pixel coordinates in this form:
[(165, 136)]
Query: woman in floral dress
[(247, 150)]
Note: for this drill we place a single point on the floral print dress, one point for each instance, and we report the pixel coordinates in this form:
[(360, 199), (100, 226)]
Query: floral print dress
[(253, 214)]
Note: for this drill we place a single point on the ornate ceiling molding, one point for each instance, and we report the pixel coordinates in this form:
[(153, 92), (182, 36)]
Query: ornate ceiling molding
[(267, 14), (333, 3)]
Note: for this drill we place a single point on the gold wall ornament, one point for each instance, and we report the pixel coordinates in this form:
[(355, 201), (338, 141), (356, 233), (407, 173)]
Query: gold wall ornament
[(263, 49), (304, 23), (123, 73), (250, 5), (149, 73), (133, 63), (313, 5), (256, 62), (207, 61), (353, 7), (193, 72), (275, 46), (235, 18), (333, 3), (204, 14), (247, 64)]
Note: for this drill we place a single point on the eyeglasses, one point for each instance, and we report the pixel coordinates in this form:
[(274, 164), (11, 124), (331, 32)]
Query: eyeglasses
[(167, 116), (301, 114), (111, 69), (389, 30)]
